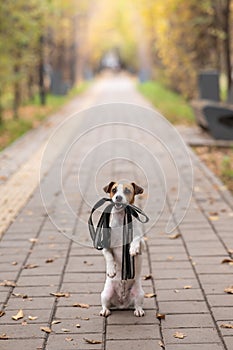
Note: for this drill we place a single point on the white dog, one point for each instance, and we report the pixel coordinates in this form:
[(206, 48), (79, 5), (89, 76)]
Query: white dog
[(118, 293)]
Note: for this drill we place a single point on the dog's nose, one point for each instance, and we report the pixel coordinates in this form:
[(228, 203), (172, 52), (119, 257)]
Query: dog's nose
[(119, 198)]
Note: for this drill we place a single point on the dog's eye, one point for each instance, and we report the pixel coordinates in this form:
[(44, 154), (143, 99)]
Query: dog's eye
[(127, 191), (114, 190)]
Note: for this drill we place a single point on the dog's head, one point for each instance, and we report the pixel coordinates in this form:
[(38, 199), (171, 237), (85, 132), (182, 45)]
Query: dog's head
[(122, 193)]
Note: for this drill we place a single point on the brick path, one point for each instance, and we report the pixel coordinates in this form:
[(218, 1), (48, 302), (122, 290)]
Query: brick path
[(188, 277)]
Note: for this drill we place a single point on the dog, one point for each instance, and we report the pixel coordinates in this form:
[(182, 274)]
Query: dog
[(118, 293)]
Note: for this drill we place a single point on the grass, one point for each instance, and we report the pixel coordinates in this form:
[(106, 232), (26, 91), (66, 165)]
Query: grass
[(31, 114), (170, 104)]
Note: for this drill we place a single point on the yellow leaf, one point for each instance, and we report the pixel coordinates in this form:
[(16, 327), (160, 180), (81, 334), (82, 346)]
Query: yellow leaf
[(227, 261), (60, 295), (150, 295), (226, 325), (56, 321), (92, 341), (65, 330), (2, 313), (175, 236), (214, 217), (229, 290), (187, 287), (179, 335), (78, 325), (147, 277), (3, 336), (46, 329), (160, 316), (84, 306), (32, 318), (69, 339), (18, 316)]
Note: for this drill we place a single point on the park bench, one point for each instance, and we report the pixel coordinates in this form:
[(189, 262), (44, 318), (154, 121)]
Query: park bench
[(212, 115)]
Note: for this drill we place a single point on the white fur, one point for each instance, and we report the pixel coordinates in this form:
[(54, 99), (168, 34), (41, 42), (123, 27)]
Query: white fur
[(118, 293)]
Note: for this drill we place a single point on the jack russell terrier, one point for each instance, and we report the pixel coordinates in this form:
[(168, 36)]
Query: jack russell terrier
[(117, 292)]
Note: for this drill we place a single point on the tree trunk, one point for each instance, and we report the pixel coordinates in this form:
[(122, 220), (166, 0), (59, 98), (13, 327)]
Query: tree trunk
[(227, 42), (41, 72), (16, 101)]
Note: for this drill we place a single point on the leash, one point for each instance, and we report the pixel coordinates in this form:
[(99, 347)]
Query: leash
[(101, 236)]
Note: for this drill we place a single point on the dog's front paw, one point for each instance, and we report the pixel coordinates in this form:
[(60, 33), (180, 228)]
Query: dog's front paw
[(135, 248), (139, 312), (111, 271), (105, 312)]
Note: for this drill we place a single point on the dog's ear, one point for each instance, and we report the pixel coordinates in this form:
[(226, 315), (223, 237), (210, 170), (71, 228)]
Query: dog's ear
[(137, 189), (108, 188)]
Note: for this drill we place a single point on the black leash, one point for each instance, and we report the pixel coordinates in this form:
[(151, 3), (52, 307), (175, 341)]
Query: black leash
[(101, 236)]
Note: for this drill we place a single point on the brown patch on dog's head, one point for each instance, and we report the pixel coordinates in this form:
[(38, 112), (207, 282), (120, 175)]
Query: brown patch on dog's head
[(137, 189), (109, 188)]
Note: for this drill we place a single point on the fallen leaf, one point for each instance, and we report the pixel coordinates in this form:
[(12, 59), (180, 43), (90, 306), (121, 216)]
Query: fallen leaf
[(32, 318), (92, 341), (3, 178), (213, 213), (84, 306), (30, 266), (213, 218), (83, 318), (226, 325), (179, 335), (6, 283), (2, 313), (88, 263), (69, 339), (3, 336), (33, 240), (46, 329), (56, 321), (161, 344), (230, 251), (175, 236), (187, 287), (147, 277), (227, 261), (50, 260), (60, 295), (14, 263), (160, 316), (65, 330), (24, 323), (229, 290), (150, 295), (18, 316), (18, 295), (176, 291), (78, 325), (170, 258)]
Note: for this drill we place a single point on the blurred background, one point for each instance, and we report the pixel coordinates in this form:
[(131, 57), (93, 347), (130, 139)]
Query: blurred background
[(52, 49)]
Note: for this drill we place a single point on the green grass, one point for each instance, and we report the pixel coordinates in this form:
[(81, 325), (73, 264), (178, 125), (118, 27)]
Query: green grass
[(32, 114), (170, 104)]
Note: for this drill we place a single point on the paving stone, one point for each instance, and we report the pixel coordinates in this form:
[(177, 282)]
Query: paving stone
[(30, 303), (133, 332), (182, 307), (172, 273), (176, 283), (41, 314), (133, 344), (119, 317), (229, 342), (71, 312), (220, 300), (59, 341), (223, 313), (39, 281), (32, 343), (187, 321), (193, 335), (19, 331), (203, 346), (88, 288), (180, 294)]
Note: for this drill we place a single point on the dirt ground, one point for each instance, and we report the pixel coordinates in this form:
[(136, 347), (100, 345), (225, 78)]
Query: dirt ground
[(220, 161)]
